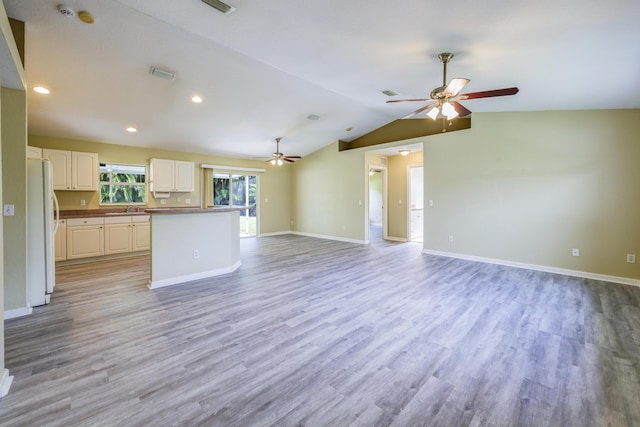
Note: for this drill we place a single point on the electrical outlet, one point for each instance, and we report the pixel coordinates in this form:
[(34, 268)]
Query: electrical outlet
[(575, 252), (450, 239), (266, 200), (187, 201), (163, 201), (631, 258), (196, 254), (430, 202), (83, 202), (179, 200)]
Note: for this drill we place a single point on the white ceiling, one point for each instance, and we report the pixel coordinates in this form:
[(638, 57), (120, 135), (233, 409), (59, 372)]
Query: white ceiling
[(264, 68)]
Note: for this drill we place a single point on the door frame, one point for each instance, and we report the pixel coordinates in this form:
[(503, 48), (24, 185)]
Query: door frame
[(409, 192), (385, 193)]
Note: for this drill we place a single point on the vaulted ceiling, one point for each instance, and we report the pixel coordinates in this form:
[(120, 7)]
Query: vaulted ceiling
[(265, 68)]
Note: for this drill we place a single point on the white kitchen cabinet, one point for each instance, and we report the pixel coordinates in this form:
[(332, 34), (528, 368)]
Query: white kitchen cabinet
[(117, 235), (124, 234), (85, 237), (60, 241), (171, 176), (73, 170), (141, 236)]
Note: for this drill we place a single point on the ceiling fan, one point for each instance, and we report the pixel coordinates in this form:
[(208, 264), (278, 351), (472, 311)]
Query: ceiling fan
[(445, 98), (278, 158)]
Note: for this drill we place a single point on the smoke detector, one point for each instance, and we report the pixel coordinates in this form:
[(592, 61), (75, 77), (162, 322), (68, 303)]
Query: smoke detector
[(66, 11)]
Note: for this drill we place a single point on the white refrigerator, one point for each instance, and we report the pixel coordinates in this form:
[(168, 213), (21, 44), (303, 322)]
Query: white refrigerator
[(42, 223)]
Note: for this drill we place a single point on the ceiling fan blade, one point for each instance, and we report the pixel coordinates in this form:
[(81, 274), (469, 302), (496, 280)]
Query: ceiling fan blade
[(292, 157), (489, 93), (454, 87), (461, 109), (419, 110), (409, 100), (287, 160)]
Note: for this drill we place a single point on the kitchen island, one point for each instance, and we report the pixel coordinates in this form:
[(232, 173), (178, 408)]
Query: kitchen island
[(193, 243)]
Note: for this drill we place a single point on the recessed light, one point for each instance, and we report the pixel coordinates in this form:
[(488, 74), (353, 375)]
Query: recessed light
[(42, 90), (349, 129), (196, 99), (132, 130)]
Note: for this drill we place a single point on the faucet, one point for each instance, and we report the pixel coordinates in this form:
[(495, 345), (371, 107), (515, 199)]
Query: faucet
[(131, 209)]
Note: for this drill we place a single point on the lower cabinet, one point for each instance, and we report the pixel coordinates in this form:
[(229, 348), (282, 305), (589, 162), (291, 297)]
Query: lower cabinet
[(141, 237), (85, 237), (124, 234), (60, 241), (98, 236)]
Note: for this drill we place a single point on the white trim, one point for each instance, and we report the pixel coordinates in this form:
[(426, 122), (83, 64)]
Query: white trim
[(17, 312), (397, 239), (6, 383), (277, 233), (191, 277), (555, 270), (322, 236), (231, 168)]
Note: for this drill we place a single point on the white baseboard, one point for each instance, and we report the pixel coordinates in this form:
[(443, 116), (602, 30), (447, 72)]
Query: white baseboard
[(6, 383), (155, 284), (17, 312), (396, 239), (277, 233), (322, 236), (564, 271)]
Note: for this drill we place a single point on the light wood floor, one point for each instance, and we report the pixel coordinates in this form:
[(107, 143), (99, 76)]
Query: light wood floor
[(321, 333)]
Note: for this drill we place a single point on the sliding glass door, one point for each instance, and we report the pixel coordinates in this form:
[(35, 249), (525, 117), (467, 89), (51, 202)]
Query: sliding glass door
[(237, 190)]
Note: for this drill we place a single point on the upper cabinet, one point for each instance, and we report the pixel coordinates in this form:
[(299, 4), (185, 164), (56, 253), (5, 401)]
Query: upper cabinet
[(171, 175), (73, 170)]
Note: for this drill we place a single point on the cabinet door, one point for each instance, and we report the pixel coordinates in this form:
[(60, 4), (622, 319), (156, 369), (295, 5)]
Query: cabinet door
[(117, 238), (161, 175), (60, 241), (84, 171), (61, 165), (184, 176), (141, 236), (85, 241)]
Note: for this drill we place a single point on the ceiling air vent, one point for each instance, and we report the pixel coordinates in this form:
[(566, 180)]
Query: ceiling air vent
[(163, 74), (222, 7)]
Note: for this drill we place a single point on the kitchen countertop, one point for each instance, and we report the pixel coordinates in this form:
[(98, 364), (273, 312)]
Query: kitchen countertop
[(92, 213), (193, 210)]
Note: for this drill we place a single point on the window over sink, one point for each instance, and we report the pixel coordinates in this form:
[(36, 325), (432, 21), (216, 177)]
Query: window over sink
[(122, 184)]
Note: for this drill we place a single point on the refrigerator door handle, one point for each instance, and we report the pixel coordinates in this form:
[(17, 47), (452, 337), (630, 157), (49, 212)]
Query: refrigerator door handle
[(56, 209)]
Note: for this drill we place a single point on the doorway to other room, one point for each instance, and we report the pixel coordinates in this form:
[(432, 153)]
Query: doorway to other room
[(416, 204), (377, 202)]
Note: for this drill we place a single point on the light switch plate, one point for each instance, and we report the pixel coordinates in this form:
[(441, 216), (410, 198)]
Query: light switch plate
[(8, 210)]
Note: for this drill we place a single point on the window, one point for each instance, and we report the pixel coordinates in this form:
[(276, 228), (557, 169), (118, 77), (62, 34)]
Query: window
[(123, 184), (237, 190)]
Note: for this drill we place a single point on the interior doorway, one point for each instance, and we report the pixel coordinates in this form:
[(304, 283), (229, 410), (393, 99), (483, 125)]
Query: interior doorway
[(415, 220), (238, 190), (377, 215)]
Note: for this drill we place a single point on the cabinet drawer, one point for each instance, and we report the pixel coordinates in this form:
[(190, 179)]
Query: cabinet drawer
[(76, 222), (140, 218), (117, 219)]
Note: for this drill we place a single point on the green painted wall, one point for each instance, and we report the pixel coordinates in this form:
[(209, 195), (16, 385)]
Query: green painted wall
[(529, 186), (329, 193), (275, 182), (14, 191)]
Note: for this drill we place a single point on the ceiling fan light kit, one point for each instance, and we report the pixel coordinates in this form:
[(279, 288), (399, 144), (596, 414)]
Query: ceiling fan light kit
[(445, 98), (278, 159)]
